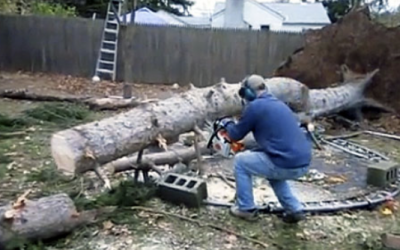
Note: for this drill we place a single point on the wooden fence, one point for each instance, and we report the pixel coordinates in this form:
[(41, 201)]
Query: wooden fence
[(148, 54)]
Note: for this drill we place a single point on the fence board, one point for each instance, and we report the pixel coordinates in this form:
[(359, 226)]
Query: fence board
[(148, 54)]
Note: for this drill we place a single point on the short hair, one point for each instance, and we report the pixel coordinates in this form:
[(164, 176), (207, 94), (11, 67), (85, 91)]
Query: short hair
[(255, 82)]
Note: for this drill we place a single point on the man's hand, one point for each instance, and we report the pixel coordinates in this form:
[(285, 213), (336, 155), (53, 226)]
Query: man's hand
[(224, 122)]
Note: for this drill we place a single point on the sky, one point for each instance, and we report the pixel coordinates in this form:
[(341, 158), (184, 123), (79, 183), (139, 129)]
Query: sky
[(206, 6)]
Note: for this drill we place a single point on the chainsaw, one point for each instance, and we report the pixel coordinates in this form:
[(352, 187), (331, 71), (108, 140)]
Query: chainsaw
[(220, 142)]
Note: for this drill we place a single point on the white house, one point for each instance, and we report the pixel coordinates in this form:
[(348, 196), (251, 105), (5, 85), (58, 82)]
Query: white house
[(245, 14), (250, 14)]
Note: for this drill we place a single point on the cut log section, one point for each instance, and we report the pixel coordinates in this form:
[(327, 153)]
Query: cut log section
[(170, 157), (41, 219), (79, 149)]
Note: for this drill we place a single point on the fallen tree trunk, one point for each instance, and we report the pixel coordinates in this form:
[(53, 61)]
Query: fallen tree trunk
[(84, 147), (81, 148), (105, 103), (320, 102), (41, 219)]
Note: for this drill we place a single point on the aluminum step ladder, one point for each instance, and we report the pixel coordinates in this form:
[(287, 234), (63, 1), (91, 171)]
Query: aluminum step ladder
[(106, 66)]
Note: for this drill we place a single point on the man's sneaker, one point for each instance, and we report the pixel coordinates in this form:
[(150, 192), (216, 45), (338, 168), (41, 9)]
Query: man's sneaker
[(293, 218), (249, 215)]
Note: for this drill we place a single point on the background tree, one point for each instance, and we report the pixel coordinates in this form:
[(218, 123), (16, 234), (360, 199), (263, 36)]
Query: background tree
[(338, 8), (36, 7), (86, 8)]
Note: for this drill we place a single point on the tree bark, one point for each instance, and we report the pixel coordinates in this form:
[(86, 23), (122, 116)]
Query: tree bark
[(42, 219), (84, 147)]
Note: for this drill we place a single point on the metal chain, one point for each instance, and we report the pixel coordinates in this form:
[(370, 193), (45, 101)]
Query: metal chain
[(356, 149)]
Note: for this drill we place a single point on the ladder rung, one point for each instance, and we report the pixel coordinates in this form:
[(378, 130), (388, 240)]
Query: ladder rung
[(107, 62), (114, 42), (110, 31), (109, 42), (108, 51), (105, 71), (112, 21)]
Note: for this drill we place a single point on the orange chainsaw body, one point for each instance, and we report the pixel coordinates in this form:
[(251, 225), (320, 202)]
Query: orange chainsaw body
[(225, 145)]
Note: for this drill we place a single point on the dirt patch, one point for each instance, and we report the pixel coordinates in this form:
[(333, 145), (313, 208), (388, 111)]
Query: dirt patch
[(54, 84), (360, 43)]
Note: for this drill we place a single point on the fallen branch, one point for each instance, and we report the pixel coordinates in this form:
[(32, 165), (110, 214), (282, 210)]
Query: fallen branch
[(204, 224), (105, 103), (24, 94), (394, 137), (225, 179), (345, 136), (5, 135), (170, 157), (42, 219), (350, 135)]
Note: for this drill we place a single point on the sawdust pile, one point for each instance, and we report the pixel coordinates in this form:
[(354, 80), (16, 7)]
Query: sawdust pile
[(358, 42)]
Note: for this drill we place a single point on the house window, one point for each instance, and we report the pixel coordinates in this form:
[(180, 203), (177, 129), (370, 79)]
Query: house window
[(264, 27)]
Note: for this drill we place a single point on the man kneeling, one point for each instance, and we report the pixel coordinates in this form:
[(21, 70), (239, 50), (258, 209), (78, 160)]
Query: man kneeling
[(284, 151)]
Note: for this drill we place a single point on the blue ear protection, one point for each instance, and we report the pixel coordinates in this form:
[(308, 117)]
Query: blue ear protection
[(245, 92)]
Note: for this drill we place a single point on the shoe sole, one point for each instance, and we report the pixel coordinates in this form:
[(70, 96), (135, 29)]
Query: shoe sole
[(251, 219)]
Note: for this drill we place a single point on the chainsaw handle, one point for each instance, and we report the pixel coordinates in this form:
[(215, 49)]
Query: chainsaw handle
[(214, 134)]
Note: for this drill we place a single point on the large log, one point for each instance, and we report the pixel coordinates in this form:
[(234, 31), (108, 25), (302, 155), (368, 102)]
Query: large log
[(84, 147), (41, 219)]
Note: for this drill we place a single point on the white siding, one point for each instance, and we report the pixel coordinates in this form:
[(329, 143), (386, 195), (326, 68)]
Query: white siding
[(256, 16), (218, 21)]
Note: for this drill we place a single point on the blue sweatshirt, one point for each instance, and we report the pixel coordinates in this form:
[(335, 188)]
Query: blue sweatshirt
[(276, 131)]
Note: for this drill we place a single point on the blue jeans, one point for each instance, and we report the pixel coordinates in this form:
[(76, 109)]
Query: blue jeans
[(249, 163)]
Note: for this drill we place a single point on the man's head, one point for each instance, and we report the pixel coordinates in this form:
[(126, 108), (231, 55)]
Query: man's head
[(251, 87)]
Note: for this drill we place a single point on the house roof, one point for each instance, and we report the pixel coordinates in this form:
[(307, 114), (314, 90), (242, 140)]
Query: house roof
[(301, 12), (182, 20), (146, 16), (293, 13)]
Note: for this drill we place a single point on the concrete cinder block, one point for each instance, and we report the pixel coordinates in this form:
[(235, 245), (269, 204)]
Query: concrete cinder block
[(181, 189), (382, 174)]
